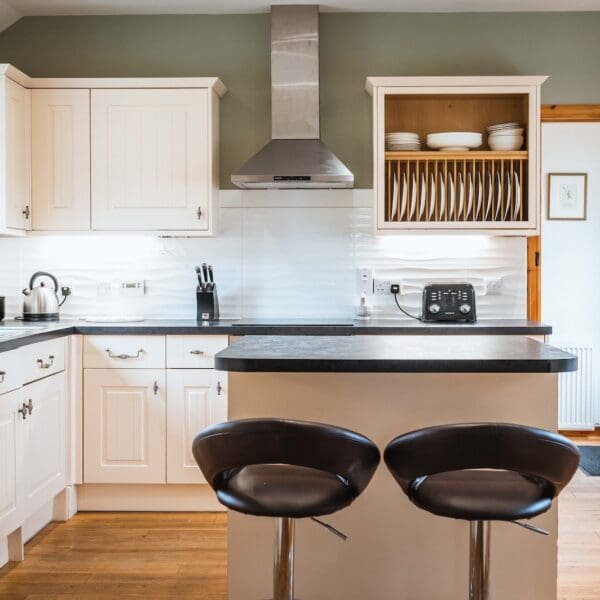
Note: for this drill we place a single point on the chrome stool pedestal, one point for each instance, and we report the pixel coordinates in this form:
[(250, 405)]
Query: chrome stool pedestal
[(479, 560)]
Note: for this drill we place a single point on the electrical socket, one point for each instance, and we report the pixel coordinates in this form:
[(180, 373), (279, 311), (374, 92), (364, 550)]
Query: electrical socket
[(381, 287), (493, 287), (364, 281)]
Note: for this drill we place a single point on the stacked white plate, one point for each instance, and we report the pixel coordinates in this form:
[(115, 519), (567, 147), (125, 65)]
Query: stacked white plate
[(505, 136), (402, 141)]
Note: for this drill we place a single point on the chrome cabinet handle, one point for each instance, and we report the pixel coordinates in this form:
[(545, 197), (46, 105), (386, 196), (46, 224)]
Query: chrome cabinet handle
[(23, 411), (29, 406), (45, 365), (26, 211), (2, 376), (155, 388), (219, 388), (196, 352), (124, 356)]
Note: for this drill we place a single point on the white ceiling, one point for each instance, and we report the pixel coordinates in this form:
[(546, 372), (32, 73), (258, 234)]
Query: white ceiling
[(12, 10)]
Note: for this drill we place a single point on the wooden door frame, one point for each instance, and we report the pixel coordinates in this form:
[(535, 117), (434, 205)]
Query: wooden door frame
[(551, 113)]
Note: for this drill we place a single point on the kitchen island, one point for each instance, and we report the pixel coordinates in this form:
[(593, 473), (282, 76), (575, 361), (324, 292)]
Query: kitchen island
[(382, 387)]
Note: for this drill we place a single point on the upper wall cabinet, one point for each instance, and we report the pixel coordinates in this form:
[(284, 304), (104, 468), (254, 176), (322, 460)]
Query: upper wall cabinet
[(126, 154), (15, 157), (60, 159), (151, 160), (482, 190)]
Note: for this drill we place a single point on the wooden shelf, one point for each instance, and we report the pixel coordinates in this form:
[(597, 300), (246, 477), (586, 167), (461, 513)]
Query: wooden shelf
[(469, 156)]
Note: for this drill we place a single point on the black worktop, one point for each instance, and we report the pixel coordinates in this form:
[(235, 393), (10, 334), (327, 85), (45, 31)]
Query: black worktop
[(393, 354), (36, 332)]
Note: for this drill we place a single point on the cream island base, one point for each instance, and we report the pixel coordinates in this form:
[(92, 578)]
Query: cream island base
[(394, 550)]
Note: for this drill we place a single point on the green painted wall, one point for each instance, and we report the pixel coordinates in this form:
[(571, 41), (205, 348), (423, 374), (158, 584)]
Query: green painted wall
[(565, 46)]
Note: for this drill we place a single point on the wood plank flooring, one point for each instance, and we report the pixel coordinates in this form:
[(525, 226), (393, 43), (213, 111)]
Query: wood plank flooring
[(183, 555), (123, 555)]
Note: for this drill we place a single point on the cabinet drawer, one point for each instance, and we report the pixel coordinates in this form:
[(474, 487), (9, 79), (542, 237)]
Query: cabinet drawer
[(194, 351), (43, 359), (124, 352), (11, 371)]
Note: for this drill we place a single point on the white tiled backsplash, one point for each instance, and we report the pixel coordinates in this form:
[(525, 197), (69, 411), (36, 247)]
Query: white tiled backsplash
[(278, 254)]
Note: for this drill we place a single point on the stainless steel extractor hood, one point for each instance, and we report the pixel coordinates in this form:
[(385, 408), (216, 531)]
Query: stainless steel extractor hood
[(295, 157)]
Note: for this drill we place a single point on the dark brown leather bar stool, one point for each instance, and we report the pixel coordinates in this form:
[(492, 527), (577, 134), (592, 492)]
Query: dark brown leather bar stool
[(285, 469), (482, 472)]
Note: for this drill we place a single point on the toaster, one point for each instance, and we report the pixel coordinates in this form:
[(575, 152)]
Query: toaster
[(449, 302)]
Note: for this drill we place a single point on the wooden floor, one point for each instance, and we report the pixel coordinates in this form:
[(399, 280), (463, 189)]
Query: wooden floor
[(123, 555), (180, 555)]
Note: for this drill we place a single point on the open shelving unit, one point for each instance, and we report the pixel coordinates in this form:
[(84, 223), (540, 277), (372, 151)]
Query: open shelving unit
[(479, 190)]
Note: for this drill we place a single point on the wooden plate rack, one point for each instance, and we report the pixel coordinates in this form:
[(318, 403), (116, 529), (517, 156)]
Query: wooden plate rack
[(456, 187)]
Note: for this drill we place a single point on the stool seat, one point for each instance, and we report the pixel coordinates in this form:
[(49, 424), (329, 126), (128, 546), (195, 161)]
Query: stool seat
[(479, 495), (285, 491)]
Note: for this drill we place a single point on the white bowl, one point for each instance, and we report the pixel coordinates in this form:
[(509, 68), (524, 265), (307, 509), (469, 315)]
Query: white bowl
[(508, 132), (454, 140), (505, 143)]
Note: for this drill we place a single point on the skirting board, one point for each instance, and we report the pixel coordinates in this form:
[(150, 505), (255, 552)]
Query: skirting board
[(179, 498)]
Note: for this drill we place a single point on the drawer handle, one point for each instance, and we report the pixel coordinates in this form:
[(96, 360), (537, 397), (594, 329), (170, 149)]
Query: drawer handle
[(45, 365), (219, 388), (2, 376), (155, 388), (29, 406), (124, 356), (196, 352)]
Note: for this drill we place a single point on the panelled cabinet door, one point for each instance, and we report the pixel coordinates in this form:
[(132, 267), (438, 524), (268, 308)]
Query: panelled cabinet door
[(196, 399), (45, 467), (60, 159), (124, 426), (18, 156), (150, 159), (11, 463)]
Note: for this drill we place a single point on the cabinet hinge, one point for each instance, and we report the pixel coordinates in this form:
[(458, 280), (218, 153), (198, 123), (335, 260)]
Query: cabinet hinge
[(199, 213)]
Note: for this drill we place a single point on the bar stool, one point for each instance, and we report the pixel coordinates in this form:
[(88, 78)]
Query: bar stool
[(482, 472), (288, 470)]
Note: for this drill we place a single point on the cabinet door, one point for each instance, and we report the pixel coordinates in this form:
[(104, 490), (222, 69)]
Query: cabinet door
[(195, 399), (60, 130), (11, 463), (45, 468), (150, 159), (124, 426), (18, 156)]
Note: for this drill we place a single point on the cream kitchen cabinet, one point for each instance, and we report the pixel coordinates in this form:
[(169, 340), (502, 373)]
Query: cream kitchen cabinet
[(450, 190), (60, 159), (44, 440), (11, 462), (124, 426), (15, 156), (196, 398), (152, 159)]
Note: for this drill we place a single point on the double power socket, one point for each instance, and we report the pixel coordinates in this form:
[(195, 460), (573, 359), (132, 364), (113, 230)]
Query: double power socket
[(368, 285)]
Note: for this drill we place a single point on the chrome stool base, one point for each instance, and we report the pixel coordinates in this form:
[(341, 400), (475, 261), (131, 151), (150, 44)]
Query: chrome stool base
[(283, 567), (479, 560)]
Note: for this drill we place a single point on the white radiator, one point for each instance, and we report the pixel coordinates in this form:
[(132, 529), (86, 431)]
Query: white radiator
[(575, 392)]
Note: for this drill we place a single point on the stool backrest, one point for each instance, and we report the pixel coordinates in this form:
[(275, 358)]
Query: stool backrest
[(230, 446), (527, 450)]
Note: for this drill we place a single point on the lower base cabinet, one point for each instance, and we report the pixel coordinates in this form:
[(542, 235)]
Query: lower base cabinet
[(195, 399), (124, 426), (11, 462), (44, 440), (139, 424)]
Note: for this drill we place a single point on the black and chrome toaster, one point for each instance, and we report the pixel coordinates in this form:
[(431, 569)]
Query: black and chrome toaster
[(449, 302)]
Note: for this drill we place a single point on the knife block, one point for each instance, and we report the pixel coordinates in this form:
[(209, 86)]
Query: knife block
[(207, 305)]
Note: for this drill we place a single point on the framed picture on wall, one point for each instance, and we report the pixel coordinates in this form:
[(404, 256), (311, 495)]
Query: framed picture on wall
[(567, 196)]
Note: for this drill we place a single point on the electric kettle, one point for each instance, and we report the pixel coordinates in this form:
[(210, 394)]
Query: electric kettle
[(41, 302)]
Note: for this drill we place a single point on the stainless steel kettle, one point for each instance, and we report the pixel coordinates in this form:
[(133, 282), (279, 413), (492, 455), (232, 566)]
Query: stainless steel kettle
[(41, 302)]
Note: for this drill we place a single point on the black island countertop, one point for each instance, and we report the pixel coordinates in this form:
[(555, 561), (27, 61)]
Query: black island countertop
[(14, 334), (393, 354)]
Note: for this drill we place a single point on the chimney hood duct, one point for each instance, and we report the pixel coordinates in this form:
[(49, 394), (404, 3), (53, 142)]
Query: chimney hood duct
[(295, 157)]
